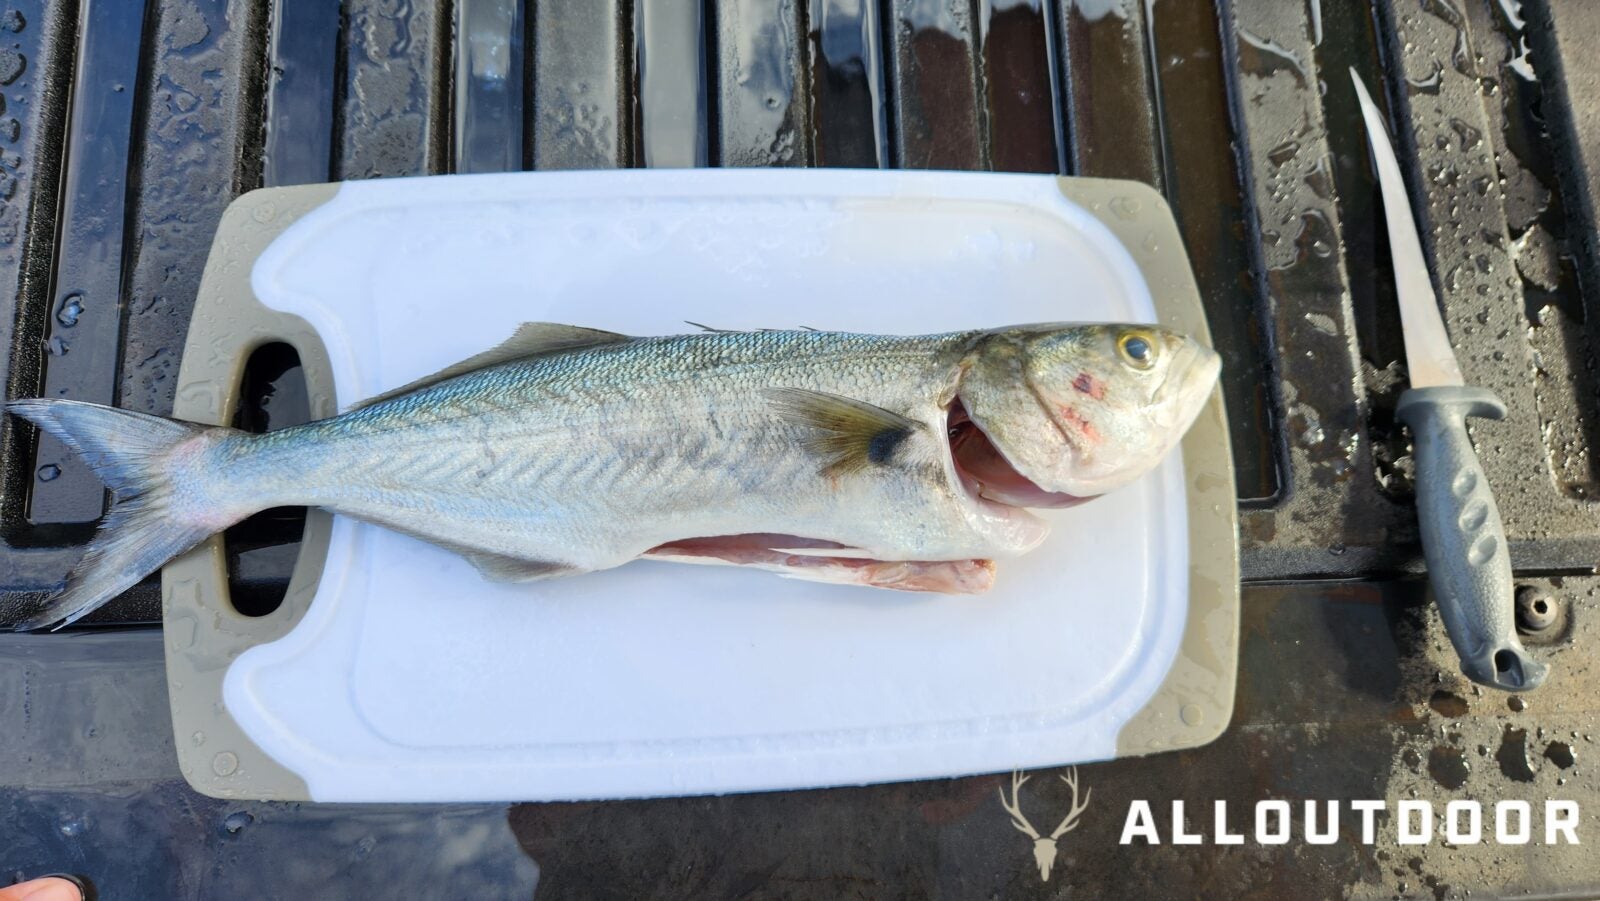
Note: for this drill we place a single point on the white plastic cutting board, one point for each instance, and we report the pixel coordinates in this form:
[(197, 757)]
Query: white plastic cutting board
[(411, 678)]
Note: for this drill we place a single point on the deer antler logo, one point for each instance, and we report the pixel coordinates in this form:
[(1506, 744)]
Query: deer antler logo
[(1044, 846)]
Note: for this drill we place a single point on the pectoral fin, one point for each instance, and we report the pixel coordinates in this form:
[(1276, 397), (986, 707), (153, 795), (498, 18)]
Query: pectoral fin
[(530, 339), (849, 434)]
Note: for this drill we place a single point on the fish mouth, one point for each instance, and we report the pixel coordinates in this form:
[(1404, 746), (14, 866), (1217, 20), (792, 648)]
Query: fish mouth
[(1192, 365), (984, 471)]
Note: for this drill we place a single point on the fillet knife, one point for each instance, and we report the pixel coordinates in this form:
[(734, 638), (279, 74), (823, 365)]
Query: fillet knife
[(1469, 564)]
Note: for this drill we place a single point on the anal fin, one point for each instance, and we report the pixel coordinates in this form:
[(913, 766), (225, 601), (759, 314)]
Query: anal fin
[(498, 568), (493, 567)]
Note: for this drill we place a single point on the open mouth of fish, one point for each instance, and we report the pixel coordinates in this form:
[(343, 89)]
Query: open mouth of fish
[(985, 475)]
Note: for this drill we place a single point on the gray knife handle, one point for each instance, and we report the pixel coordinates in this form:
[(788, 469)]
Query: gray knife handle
[(1462, 538)]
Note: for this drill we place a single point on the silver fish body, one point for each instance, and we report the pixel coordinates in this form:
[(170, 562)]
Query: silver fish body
[(820, 455), (586, 460)]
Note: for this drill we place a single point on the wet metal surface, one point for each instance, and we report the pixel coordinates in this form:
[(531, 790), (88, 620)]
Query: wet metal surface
[(1238, 111), (1108, 92), (488, 86), (392, 116), (847, 84), (298, 141), (83, 327), (1561, 35), (197, 146), (1305, 156), (1024, 120), (935, 106), (581, 108), (1201, 175), (671, 116), (762, 117), (37, 49)]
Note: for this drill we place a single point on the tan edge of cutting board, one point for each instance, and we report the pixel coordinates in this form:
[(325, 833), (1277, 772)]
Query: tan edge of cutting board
[(204, 634), (1195, 702)]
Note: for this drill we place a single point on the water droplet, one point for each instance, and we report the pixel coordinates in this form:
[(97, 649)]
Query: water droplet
[(225, 763), (1444, 175), (1513, 755), (1448, 766), (1429, 84), (13, 21), (1561, 754), (71, 826), (49, 472), (57, 346), (1284, 152), (1470, 137), (71, 309), (1322, 322), (199, 738), (236, 821), (12, 65)]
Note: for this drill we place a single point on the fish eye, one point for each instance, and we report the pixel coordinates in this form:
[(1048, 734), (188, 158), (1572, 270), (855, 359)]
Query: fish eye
[(1137, 349)]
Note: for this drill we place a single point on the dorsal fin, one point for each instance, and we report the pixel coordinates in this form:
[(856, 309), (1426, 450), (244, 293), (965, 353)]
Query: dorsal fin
[(850, 434), (530, 339)]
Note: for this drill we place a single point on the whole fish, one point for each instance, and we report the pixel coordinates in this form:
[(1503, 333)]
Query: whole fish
[(889, 461)]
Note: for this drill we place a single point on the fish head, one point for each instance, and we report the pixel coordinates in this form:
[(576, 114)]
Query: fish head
[(1066, 412)]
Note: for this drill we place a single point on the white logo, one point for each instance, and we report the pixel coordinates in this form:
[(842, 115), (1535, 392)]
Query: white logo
[(1044, 846), (1414, 822)]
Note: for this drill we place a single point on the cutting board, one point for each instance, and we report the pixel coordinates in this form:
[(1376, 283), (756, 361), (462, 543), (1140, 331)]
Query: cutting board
[(393, 672)]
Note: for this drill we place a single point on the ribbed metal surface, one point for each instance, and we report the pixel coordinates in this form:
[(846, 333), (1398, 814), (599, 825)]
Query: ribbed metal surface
[(133, 124)]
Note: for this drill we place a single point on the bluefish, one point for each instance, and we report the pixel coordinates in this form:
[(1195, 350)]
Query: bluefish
[(904, 462)]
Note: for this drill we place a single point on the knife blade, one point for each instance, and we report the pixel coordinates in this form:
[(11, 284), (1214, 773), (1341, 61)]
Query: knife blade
[(1469, 564)]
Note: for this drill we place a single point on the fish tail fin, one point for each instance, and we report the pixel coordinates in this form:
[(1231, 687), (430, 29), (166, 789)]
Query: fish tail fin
[(132, 454)]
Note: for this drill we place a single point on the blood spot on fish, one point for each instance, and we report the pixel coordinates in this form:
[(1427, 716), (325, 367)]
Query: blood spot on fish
[(1090, 385), (1080, 424), (884, 443)]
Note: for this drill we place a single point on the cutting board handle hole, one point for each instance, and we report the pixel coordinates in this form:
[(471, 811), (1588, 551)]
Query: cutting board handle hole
[(261, 551)]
